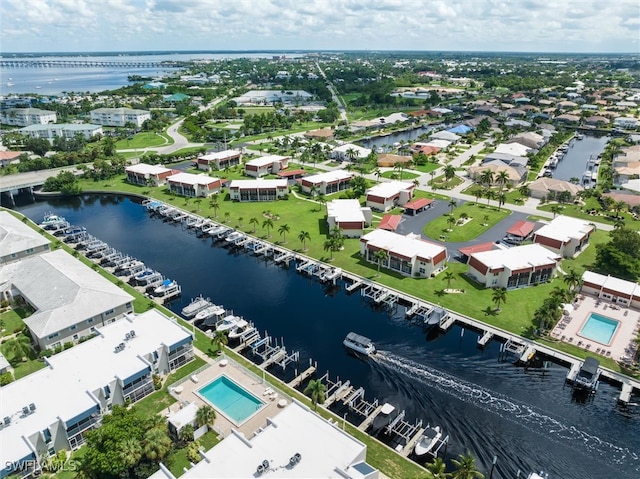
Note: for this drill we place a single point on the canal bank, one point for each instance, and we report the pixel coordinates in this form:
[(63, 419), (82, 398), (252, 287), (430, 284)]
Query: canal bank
[(486, 405)]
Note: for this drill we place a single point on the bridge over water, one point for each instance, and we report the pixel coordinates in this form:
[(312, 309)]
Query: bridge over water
[(44, 63)]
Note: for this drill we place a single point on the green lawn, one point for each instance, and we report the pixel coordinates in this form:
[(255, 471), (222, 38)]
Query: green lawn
[(177, 460), (578, 211), (426, 168), (12, 320), (143, 140), (478, 225), (396, 175), (442, 183)]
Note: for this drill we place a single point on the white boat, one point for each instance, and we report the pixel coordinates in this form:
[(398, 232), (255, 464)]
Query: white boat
[(10, 84), (538, 475), (240, 328), (579, 136), (51, 219), (166, 286), (384, 417), (359, 344), (195, 306), (428, 441), (228, 323), (209, 312)]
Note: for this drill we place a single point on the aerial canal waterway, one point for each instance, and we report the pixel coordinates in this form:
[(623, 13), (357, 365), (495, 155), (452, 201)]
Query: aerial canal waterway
[(524, 417), (574, 163)]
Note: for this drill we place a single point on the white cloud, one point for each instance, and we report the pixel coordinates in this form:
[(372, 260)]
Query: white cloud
[(524, 25)]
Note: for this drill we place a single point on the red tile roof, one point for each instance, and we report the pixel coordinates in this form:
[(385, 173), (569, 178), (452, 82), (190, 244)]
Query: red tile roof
[(10, 155), (417, 204), (478, 248), (390, 222), (288, 173), (521, 228)]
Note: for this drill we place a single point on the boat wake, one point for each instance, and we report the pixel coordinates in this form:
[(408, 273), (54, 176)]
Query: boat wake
[(507, 408)]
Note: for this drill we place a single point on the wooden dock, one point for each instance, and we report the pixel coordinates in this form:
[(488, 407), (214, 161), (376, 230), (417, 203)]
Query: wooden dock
[(365, 424), (486, 337), (295, 382), (341, 392), (408, 449)]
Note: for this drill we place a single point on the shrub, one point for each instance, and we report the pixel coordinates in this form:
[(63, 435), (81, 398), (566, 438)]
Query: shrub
[(6, 378), (46, 353), (157, 382), (68, 345)]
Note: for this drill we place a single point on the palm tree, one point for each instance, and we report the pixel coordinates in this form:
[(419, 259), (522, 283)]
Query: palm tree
[(416, 182), (18, 347), (485, 220), (377, 173), (254, 221), (205, 416), (380, 256), (240, 220), (502, 178), (618, 206), (437, 469), (130, 452), (573, 280), (156, 444), (451, 221), (227, 215), (220, 340), (283, 230), (267, 225), (466, 467), (449, 172), (452, 204), (315, 389), (556, 210), (499, 296), (215, 205), (448, 277), (186, 433), (486, 177), (489, 195), (330, 246), (304, 236), (322, 200), (502, 198), (524, 190), (477, 193)]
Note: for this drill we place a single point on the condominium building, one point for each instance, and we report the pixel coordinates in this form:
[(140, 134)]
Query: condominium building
[(18, 241), (219, 160), (27, 116), (119, 116), (188, 184), (258, 190), (65, 130)]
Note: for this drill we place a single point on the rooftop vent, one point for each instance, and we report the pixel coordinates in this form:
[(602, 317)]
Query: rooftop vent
[(295, 459), (7, 421), (32, 407)]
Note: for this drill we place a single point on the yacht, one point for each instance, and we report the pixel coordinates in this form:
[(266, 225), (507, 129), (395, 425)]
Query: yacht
[(166, 287), (359, 344), (428, 442), (241, 327), (209, 312), (195, 306), (228, 323), (384, 417)]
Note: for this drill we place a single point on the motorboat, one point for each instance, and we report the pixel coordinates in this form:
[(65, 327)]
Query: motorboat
[(359, 344), (195, 306), (130, 268), (165, 288), (428, 441), (586, 376), (384, 417), (209, 312), (538, 475), (143, 275), (241, 327), (148, 277), (228, 323), (579, 136)]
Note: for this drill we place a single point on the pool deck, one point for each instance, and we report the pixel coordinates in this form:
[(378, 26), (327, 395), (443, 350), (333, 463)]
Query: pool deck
[(621, 346), (273, 402)]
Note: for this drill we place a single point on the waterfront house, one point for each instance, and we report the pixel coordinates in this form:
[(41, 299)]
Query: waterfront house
[(18, 241), (516, 174), (550, 187), (219, 160), (446, 136), (65, 130), (515, 149), (626, 122), (27, 116), (296, 442), (565, 235), (69, 299), (326, 183), (387, 195), (119, 116), (407, 254), (258, 190), (146, 175), (349, 217), (343, 152), (51, 409), (513, 267), (265, 165), (611, 289), (188, 184)]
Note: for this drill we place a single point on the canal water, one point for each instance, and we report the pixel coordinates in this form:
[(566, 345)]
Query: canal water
[(574, 163), (383, 143), (526, 418)]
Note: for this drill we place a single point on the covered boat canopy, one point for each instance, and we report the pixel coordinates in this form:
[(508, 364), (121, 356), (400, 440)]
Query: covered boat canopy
[(357, 338)]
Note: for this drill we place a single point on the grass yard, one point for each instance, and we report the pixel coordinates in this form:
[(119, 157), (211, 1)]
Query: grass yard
[(12, 320), (442, 183), (177, 460), (396, 175), (143, 140), (426, 168), (578, 211), (483, 218)]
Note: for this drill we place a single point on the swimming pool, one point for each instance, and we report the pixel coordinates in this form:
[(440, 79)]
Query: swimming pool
[(599, 328), (231, 399)]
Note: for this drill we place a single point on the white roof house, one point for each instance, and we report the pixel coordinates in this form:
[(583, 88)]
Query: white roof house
[(389, 194), (446, 135), (258, 190), (349, 216), (17, 240), (266, 164), (327, 182), (68, 297), (221, 159), (565, 235), (513, 267), (146, 169), (71, 394), (323, 450), (340, 152), (611, 288), (188, 184), (142, 173), (515, 149)]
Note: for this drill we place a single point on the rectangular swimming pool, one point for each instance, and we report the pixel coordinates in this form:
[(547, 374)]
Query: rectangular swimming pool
[(231, 399), (599, 328)]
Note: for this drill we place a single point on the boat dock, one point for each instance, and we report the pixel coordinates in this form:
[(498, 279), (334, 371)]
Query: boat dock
[(302, 377), (369, 419)]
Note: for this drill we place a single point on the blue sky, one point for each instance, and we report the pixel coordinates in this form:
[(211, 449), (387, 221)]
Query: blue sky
[(479, 25)]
